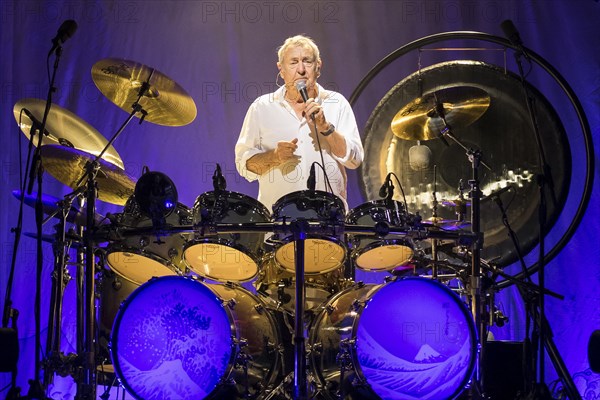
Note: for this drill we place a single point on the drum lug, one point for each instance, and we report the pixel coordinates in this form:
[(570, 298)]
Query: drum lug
[(329, 309), (259, 308), (357, 305), (230, 303)]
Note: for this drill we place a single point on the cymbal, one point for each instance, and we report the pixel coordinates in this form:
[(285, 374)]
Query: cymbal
[(50, 207), (456, 202), (446, 224), (68, 166), (65, 128), (165, 102), (419, 120)]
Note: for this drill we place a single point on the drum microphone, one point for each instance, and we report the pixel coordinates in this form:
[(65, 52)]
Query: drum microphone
[(387, 188), (35, 123), (311, 183), (219, 182), (66, 30), (512, 34), (419, 157)]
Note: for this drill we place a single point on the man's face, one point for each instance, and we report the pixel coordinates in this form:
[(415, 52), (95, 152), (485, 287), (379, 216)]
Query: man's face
[(299, 63)]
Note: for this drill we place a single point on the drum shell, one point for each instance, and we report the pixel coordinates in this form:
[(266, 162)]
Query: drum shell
[(380, 253), (227, 256), (137, 258), (277, 286), (414, 315), (325, 250), (184, 321)]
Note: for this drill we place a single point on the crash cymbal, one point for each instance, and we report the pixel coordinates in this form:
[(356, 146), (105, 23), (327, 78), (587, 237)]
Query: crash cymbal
[(50, 207), (64, 128), (165, 102), (419, 120), (455, 202), (68, 166), (446, 224)]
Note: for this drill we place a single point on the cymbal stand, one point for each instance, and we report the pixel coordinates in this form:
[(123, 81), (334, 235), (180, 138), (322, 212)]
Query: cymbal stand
[(56, 361), (86, 386), (477, 303), (434, 215)]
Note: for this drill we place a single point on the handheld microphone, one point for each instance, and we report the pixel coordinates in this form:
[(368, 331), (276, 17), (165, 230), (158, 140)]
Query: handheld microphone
[(311, 183), (66, 30), (512, 34), (219, 182), (301, 88)]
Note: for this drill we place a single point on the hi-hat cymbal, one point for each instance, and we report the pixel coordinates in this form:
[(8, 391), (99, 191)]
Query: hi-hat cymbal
[(64, 128), (419, 119), (68, 166), (50, 207), (165, 102)]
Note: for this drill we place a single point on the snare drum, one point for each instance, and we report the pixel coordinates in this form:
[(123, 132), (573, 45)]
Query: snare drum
[(373, 253), (178, 338), (406, 339), (226, 256), (323, 252), (277, 286), (141, 257)]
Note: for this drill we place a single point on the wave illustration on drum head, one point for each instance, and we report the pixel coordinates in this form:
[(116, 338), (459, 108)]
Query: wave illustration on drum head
[(415, 340), (168, 340)]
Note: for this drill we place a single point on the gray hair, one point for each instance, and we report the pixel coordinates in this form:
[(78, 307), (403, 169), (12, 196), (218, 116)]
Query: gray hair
[(302, 41)]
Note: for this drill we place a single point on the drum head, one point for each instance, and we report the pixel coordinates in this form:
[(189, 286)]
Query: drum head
[(427, 349), (220, 262), (172, 339), (383, 256), (320, 256), (137, 268)]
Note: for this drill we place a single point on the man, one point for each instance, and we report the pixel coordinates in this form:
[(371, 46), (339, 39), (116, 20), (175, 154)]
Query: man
[(282, 135)]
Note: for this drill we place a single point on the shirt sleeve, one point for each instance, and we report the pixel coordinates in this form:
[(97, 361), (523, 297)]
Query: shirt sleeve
[(346, 125), (248, 143)]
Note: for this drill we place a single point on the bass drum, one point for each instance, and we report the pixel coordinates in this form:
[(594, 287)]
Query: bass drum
[(141, 257), (406, 339), (177, 338)]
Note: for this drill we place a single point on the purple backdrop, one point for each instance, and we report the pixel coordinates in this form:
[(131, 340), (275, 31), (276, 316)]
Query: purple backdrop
[(223, 54)]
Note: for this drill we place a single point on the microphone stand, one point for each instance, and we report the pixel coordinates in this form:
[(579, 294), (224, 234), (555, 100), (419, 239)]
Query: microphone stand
[(543, 179)]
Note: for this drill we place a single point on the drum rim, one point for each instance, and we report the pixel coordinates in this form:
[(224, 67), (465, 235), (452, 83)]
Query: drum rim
[(311, 194), (351, 217), (237, 195), (113, 346), (222, 242)]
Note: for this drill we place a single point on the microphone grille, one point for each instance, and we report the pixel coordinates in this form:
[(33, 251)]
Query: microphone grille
[(300, 85)]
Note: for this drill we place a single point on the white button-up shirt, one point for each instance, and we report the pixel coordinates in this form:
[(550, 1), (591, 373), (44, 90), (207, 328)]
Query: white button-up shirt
[(271, 119)]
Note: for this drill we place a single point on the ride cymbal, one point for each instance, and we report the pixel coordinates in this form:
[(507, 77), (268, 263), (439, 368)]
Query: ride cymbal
[(68, 166), (164, 101), (422, 118), (64, 128)]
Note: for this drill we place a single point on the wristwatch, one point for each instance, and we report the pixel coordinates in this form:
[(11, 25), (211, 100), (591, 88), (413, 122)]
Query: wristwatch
[(329, 130)]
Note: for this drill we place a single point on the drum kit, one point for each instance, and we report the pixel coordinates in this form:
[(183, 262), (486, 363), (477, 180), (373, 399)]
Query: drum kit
[(171, 316)]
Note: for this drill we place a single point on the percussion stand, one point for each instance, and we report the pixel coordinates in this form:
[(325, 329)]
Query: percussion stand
[(299, 227), (475, 284), (86, 386)]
